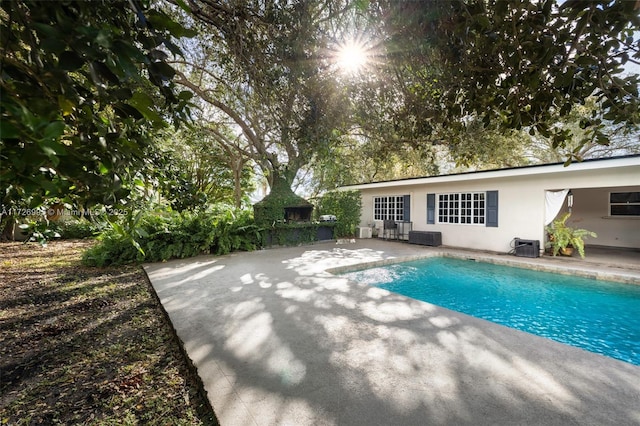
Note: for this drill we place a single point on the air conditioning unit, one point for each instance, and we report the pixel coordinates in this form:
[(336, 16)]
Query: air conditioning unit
[(364, 232), (527, 248)]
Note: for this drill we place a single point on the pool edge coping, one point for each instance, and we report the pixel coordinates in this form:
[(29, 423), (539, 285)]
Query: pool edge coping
[(591, 272)]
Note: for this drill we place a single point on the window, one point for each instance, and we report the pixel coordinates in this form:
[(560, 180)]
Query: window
[(388, 208), (465, 207), (624, 204), (449, 208)]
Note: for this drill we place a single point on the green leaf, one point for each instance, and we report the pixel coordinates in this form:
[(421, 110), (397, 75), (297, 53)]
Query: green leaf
[(54, 130), (173, 48), (8, 130), (104, 72), (49, 186), (54, 45), (102, 39), (163, 69), (140, 100), (183, 5), (163, 21), (51, 154), (185, 95), (51, 147), (126, 58), (126, 110), (66, 106), (45, 30), (122, 93), (102, 168), (70, 61), (544, 130), (142, 233), (143, 103)]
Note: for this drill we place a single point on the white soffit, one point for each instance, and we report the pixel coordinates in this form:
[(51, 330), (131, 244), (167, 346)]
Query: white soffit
[(591, 165)]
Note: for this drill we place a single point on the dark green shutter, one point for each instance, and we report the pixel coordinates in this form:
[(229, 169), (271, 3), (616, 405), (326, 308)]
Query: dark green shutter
[(406, 203), (431, 208), (492, 209)]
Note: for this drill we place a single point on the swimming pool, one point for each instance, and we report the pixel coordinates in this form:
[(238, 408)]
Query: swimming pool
[(599, 316)]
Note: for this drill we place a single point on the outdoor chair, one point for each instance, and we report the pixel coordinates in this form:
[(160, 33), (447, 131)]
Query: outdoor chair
[(389, 229)]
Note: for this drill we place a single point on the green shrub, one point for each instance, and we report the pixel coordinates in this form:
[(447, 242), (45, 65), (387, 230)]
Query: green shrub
[(39, 231), (346, 206), (76, 228), (236, 231), (112, 250), (158, 236), (293, 234)]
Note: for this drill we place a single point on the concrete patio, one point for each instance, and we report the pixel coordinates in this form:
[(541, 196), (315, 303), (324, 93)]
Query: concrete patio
[(278, 340)]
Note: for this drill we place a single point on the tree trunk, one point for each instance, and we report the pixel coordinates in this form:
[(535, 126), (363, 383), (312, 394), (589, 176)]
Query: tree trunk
[(8, 230), (281, 177), (238, 165)]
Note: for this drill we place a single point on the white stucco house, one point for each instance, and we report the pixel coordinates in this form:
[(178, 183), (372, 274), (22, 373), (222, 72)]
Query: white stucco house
[(487, 210)]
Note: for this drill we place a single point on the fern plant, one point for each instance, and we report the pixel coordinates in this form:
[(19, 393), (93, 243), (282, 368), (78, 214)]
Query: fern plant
[(161, 235), (562, 236)]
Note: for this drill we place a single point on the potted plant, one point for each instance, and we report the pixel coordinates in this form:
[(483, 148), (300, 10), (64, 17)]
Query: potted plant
[(563, 239)]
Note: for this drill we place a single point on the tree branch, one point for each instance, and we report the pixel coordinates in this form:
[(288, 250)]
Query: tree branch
[(246, 129)]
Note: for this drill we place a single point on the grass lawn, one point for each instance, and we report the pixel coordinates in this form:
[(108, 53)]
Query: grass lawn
[(84, 345)]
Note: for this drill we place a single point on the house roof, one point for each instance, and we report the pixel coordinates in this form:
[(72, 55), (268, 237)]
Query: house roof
[(538, 169)]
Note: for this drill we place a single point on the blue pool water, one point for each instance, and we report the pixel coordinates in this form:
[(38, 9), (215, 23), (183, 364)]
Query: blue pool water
[(599, 316)]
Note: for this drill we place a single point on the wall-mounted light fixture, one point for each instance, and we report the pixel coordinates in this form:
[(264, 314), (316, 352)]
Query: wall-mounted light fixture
[(570, 200)]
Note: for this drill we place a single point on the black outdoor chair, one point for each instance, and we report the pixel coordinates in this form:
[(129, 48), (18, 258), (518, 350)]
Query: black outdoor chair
[(390, 229)]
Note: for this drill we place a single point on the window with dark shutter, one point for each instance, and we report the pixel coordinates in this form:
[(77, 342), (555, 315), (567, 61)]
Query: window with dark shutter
[(431, 208), (406, 213), (492, 209)]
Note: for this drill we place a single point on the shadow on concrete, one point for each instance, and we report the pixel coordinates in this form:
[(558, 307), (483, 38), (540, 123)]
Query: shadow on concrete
[(277, 340)]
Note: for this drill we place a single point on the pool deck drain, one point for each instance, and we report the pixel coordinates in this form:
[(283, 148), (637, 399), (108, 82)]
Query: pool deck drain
[(278, 340)]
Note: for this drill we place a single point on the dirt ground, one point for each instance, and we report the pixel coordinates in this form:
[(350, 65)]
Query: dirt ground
[(83, 345)]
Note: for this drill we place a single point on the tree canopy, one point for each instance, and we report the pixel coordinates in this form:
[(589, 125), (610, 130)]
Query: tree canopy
[(513, 64), (264, 69), (198, 171), (85, 85)]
